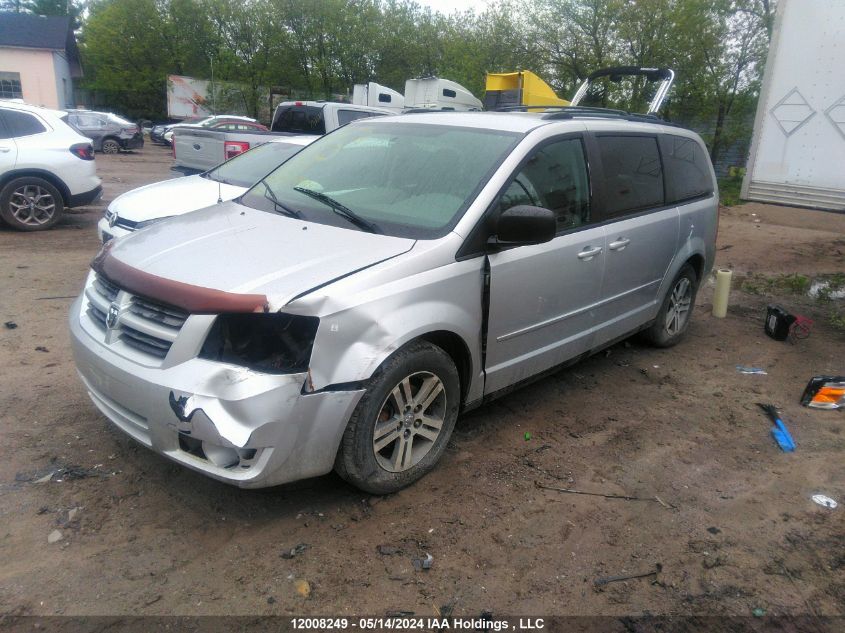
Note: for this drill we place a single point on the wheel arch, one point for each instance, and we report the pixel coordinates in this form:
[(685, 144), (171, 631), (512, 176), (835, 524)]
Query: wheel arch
[(697, 263), (38, 173), (457, 350)]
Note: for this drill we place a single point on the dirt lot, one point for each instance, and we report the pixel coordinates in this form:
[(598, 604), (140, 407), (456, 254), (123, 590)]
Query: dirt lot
[(736, 529)]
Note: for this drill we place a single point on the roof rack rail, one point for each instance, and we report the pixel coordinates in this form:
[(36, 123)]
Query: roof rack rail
[(555, 108), (603, 113), (430, 110)]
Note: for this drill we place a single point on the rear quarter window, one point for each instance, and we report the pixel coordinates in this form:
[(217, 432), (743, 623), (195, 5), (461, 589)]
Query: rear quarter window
[(687, 168), (633, 176)]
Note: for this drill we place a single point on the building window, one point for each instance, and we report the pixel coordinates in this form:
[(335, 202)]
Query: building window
[(10, 86)]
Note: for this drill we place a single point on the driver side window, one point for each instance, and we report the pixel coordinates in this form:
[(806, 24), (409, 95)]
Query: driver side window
[(555, 178)]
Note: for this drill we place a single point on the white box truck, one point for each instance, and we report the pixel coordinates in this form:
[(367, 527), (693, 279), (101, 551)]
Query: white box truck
[(798, 147)]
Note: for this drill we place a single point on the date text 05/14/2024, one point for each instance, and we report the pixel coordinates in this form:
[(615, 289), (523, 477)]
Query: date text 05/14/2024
[(400, 624)]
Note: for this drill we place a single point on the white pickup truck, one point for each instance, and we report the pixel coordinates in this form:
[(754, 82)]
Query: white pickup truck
[(197, 149)]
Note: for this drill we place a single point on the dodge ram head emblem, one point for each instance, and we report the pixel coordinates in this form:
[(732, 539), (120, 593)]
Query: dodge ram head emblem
[(111, 316)]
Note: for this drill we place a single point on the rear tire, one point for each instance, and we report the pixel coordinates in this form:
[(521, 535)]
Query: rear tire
[(401, 426), (30, 203), (110, 146), (675, 313)]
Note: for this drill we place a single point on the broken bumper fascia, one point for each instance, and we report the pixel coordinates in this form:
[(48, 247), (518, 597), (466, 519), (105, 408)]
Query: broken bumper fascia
[(295, 435)]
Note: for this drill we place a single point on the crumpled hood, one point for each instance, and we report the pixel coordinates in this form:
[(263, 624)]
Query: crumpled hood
[(172, 197), (242, 251)]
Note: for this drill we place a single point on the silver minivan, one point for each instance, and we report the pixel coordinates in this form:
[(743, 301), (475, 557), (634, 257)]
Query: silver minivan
[(344, 310)]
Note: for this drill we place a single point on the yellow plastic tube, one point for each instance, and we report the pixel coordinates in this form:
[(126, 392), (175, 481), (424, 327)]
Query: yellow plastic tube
[(723, 289)]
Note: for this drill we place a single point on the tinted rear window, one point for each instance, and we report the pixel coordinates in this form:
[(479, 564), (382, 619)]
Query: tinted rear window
[(299, 119), (633, 178), (687, 168), (21, 124)]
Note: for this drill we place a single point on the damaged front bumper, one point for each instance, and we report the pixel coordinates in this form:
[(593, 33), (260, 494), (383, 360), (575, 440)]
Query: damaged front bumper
[(237, 425)]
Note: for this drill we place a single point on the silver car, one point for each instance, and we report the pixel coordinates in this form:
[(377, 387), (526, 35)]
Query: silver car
[(396, 272)]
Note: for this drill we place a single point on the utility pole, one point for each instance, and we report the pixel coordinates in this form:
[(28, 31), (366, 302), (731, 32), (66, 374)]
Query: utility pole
[(213, 96)]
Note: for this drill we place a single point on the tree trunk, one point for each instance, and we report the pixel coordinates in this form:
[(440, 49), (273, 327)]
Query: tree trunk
[(715, 145)]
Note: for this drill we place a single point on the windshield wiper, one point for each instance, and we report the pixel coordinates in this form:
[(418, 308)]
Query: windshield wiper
[(268, 193), (340, 209)]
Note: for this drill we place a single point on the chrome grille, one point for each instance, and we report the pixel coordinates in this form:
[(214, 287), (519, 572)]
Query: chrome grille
[(98, 317), (106, 288), (143, 324), (145, 342), (159, 312)]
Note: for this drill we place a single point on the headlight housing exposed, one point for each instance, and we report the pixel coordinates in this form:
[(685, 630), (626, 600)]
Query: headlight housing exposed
[(271, 343), (825, 392)]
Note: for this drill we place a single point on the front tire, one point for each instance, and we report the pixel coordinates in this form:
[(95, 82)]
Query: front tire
[(401, 426), (675, 313), (30, 204)]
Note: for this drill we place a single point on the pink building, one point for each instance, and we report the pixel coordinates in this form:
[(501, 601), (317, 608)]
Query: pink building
[(38, 59)]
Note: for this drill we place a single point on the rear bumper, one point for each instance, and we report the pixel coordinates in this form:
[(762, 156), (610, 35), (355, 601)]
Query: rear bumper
[(136, 142), (87, 197), (293, 435)]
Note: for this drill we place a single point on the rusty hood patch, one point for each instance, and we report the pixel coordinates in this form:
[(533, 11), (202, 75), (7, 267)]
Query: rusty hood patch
[(233, 258)]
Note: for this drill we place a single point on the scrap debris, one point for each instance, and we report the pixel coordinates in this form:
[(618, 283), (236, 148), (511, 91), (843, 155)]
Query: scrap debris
[(294, 551), (606, 580), (742, 369), (423, 563), (571, 491), (779, 430), (824, 500)]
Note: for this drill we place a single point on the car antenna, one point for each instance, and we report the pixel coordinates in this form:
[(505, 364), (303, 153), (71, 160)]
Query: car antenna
[(219, 192)]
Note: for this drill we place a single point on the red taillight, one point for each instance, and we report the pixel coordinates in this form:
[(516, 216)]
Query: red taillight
[(233, 148), (85, 151)]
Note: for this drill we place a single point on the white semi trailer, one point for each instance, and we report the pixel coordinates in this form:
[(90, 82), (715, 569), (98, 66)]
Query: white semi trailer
[(798, 147)]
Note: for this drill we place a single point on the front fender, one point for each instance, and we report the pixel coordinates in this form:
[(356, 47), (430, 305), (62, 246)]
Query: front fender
[(354, 340)]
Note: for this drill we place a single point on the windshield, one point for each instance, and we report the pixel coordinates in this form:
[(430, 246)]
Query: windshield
[(403, 179), (244, 170)]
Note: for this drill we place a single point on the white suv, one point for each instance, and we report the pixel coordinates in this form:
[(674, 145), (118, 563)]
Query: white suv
[(45, 167)]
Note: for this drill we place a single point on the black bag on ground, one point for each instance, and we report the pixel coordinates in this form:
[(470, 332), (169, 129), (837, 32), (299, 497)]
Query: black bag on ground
[(778, 322)]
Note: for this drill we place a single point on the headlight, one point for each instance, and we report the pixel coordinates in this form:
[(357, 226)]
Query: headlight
[(147, 223), (272, 343), (825, 392)]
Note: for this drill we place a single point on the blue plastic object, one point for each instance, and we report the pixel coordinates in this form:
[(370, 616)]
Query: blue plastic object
[(782, 436), (779, 430)]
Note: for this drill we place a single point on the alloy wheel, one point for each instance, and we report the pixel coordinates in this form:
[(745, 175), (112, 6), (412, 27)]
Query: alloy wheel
[(679, 306), (32, 205), (409, 421)]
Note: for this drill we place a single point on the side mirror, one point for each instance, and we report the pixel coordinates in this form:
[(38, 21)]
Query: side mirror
[(524, 224)]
